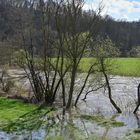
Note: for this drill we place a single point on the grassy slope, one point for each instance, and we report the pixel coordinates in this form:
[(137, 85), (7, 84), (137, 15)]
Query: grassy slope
[(121, 66)]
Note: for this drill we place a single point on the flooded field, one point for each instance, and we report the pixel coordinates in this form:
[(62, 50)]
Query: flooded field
[(124, 90), (93, 117)]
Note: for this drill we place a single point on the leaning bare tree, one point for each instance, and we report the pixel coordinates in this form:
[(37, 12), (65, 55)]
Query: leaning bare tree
[(105, 51)]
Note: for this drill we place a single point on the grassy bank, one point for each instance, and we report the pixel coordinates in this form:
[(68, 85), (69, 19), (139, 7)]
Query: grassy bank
[(120, 66), (11, 109), (17, 116)]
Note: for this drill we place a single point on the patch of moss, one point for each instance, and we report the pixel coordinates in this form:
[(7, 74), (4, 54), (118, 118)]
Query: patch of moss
[(102, 121)]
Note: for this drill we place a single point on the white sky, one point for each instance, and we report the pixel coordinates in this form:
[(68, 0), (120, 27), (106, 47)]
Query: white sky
[(118, 9)]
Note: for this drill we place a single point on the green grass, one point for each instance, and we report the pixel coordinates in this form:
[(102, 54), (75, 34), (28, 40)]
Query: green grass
[(17, 116), (127, 67), (120, 66), (11, 109)]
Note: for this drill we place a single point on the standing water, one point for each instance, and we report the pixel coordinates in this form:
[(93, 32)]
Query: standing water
[(93, 117)]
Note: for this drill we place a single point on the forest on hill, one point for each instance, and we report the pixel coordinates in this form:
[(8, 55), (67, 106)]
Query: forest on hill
[(124, 34)]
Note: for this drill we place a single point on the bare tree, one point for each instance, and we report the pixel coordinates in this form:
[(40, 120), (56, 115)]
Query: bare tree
[(75, 41), (47, 73), (105, 51)]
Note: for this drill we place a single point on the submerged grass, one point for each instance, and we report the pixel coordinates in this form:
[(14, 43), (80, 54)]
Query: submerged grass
[(102, 121), (77, 138), (137, 130), (93, 138)]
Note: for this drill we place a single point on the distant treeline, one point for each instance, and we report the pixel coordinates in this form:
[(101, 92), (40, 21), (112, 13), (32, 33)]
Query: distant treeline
[(125, 35)]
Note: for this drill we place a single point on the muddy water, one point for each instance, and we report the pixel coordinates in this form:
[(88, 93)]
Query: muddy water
[(124, 90)]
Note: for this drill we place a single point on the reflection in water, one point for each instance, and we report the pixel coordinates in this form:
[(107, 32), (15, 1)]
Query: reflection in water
[(137, 131), (138, 120), (70, 127), (105, 134)]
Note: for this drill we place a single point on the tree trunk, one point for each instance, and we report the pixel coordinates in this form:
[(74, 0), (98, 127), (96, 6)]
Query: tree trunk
[(136, 109), (71, 86), (110, 95), (48, 98), (63, 93)]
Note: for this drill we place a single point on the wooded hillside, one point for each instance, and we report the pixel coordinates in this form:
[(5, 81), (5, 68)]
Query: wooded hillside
[(125, 35)]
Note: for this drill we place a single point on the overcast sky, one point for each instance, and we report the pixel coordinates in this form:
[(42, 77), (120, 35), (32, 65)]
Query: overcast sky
[(118, 9)]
